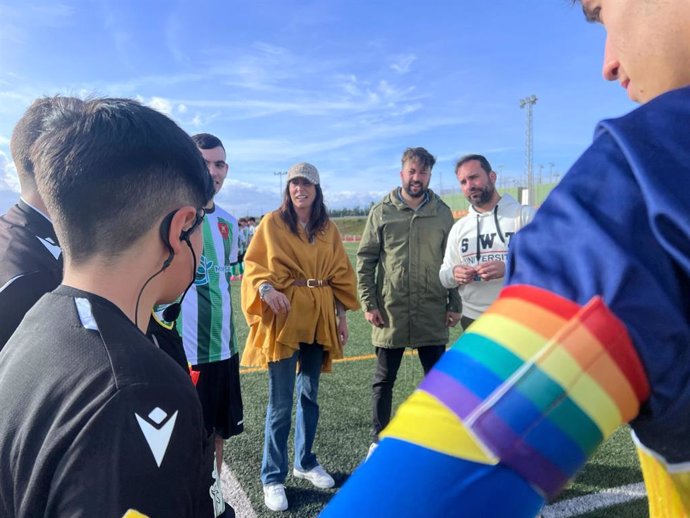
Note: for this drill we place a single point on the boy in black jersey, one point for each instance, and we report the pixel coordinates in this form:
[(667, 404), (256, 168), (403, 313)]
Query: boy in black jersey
[(30, 255), (96, 420)]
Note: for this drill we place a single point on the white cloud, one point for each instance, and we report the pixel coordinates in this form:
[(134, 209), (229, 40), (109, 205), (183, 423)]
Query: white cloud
[(246, 199), (269, 49), (351, 199), (8, 174), (351, 86), (182, 108), (403, 63), (161, 104)]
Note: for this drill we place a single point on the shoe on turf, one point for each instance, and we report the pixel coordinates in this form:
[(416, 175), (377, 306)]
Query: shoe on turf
[(274, 497), (373, 446), (317, 476)]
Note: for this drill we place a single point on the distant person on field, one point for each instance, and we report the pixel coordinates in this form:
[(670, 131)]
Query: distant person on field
[(475, 258), (297, 285), (398, 260), (243, 241), (30, 255), (251, 226), (97, 420)]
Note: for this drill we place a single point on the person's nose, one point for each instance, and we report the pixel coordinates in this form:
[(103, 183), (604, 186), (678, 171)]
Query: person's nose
[(611, 64)]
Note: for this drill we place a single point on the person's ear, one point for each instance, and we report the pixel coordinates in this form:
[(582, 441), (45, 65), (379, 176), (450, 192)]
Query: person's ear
[(174, 230)]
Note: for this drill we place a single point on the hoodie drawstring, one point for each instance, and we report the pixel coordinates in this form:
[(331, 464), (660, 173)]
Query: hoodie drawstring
[(498, 229)]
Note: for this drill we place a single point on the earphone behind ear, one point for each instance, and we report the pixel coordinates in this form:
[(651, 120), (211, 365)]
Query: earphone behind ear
[(184, 236), (165, 232), (171, 313)]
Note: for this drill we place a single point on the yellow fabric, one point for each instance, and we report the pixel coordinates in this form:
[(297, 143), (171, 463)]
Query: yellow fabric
[(523, 342), (425, 421), (592, 399), (131, 513), (668, 493), (277, 256), (161, 322)]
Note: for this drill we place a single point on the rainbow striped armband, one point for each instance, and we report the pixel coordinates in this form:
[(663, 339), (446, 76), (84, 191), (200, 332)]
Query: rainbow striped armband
[(535, 385)]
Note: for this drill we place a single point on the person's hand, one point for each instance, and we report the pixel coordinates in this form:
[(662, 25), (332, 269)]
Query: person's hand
[(463, 274), (277, 301), (452, 318), (374, 317), (343, 332), (491, 270)]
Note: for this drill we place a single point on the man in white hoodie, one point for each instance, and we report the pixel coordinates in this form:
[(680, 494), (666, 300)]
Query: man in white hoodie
[(477, 248)]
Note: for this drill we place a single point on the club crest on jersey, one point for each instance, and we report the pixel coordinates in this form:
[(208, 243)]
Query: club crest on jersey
[(202, 278), (224, 229)]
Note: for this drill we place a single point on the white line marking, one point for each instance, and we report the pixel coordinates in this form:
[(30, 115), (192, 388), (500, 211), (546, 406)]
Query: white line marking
[(235, 495), (584, 504)]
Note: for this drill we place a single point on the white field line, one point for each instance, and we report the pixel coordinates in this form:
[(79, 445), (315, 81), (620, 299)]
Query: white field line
[(585, 504), (235, 495)]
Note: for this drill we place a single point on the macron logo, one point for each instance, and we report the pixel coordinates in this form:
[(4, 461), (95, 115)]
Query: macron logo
[(50, 245), (157, 430)]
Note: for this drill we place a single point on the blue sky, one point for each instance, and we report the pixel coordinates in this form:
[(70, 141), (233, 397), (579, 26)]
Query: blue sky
[(344, 84)]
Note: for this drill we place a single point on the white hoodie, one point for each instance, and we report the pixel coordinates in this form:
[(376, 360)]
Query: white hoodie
[(475, 238)]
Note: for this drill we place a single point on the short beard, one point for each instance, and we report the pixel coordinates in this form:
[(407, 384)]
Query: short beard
[(485, 197), (419, 194)]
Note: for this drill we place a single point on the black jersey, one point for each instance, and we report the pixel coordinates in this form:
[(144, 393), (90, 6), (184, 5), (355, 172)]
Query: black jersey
[(97, 420), (167, 338), (30, 264)]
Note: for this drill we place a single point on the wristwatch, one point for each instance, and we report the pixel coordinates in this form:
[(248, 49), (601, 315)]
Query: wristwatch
[(264, 289)]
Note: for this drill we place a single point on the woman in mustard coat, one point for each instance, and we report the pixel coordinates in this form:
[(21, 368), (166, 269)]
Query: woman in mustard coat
[(297, 285)]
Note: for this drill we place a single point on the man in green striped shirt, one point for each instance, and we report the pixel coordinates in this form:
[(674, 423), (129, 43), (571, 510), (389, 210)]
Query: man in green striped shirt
[(206, 321)]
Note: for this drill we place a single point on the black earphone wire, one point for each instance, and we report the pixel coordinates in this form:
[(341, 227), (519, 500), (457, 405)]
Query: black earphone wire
[(165, 265)]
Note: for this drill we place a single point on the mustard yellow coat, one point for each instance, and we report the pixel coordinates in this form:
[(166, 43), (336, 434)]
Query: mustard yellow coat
[(278, 256)]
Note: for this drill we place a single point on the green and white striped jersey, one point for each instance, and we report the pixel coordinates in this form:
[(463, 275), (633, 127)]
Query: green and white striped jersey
[(206, 321)]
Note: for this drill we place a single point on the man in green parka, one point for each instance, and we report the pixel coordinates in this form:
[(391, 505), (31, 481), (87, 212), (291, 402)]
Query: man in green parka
[(398, 261)]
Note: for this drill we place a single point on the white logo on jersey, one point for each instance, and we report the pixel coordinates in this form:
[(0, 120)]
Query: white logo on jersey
[(53, 248), (202, 271), (157, 436)]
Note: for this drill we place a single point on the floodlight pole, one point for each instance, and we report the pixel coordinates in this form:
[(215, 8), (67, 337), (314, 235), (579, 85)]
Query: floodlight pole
[(528, 102), (280, 175)]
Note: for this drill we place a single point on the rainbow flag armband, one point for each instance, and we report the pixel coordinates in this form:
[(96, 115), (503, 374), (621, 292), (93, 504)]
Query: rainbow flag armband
[(535, 384)]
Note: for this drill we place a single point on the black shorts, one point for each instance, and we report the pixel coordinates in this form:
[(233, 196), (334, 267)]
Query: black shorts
[(221, 399)]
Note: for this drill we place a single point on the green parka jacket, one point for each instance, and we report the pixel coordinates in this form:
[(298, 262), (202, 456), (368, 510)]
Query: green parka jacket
[(398, 261)]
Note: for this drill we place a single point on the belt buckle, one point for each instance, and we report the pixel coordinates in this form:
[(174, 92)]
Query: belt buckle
[(313, 283)]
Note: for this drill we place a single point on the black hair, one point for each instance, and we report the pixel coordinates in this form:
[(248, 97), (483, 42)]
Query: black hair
[(110, 170), (207, 141), (426, 159), (28, 129), (483, 162)]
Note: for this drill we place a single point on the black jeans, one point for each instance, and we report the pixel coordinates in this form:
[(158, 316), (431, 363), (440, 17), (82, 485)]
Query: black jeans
[(466, 322), (387, 365)]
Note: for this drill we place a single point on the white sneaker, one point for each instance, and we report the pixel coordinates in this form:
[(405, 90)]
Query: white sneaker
[(316, 476), (373, 446), (274, 497)]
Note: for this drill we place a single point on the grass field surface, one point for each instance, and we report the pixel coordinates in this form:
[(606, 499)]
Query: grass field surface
[(343, 435)]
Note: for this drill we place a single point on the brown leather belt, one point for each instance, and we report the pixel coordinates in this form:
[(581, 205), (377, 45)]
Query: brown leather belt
[(311, 283)]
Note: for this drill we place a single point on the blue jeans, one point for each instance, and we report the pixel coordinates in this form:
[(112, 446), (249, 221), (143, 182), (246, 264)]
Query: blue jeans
[(281, 386)]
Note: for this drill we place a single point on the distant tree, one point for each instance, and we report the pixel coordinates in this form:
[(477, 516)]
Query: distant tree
[(341, 213)]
